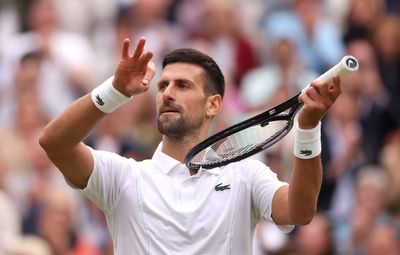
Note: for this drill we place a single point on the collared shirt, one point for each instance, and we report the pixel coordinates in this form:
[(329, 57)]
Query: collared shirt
[(156, 207)]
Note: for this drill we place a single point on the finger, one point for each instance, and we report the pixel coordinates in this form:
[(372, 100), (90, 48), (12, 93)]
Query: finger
[(310, 94), (336, 88), (139, 48), (320, 87), (306, 100), (150, 72), (314, 84), (328, 91), (125, 48), (145, 59)]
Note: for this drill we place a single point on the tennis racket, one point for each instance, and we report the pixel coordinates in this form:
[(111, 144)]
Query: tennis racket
[(259, 132)]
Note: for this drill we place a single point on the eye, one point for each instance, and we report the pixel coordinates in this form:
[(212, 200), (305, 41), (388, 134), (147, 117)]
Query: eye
[(182, 84), (162, 85)]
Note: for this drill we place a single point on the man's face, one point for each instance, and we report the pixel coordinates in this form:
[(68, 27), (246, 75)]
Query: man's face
[(181, 101)]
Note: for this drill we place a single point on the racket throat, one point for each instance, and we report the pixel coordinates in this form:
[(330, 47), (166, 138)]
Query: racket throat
[(264, 123)]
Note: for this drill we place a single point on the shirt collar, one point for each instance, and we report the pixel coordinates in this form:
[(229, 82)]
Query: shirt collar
[(216, 170), (166, 163), (163, 161)]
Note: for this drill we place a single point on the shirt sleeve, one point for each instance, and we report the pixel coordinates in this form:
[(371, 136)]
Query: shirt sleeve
[(264, 185), (108, 179)]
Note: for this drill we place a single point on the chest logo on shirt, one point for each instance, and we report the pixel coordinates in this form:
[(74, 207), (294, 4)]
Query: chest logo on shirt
[(221, 187)]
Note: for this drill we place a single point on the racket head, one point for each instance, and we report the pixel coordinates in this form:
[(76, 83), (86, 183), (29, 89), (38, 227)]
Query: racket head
[(245, 138)]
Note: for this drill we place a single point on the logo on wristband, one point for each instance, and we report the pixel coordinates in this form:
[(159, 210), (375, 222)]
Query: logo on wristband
[(306, 152), (99, 100)]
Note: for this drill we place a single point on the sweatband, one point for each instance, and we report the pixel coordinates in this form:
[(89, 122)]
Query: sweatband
[(106, 98), (307, 143)]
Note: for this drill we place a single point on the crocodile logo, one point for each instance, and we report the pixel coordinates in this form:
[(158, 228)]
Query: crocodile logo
[(305, 152), (99, 100), (221, 187)]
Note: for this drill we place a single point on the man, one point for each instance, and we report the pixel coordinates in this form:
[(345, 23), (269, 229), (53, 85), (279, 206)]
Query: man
[(158, 206)]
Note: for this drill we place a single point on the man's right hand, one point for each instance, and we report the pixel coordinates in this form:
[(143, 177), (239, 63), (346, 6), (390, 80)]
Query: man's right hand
[(134, 72)]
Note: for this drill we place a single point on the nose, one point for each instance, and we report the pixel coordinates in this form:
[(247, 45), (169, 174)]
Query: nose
[(169, 94)]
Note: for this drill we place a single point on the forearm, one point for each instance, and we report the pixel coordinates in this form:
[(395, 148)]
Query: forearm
[(67, 130), (297, 204), (304, 189)]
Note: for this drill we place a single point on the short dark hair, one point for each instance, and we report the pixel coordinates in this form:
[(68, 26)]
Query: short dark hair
[(213, 74)]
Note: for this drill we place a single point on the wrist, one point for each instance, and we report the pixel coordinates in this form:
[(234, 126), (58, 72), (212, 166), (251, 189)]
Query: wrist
[(308, 142), (307, 125), (115, 83), (107, 98)]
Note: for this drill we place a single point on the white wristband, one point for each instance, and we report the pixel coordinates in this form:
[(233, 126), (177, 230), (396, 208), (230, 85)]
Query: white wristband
[(106, 98), (307, 143)]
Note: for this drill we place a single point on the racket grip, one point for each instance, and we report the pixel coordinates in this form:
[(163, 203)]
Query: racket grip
[(347, 65)]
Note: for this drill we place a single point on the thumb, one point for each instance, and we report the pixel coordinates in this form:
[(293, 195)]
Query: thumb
[(150, 72)]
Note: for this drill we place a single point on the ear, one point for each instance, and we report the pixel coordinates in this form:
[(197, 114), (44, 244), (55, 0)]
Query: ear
[(213, 105)]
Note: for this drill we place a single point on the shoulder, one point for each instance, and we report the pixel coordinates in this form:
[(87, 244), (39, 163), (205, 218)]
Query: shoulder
[(249, 168), (102, 154), (112, 167), (247, 164), (111, 160)]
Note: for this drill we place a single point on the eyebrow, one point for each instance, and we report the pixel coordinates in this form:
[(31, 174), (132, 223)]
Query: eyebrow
[(179, 80)]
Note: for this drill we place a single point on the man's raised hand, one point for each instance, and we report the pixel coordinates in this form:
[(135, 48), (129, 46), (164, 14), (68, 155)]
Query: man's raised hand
[(317, 99), (134, 72)]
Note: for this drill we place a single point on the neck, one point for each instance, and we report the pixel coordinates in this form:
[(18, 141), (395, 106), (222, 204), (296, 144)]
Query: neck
[(178, 148)]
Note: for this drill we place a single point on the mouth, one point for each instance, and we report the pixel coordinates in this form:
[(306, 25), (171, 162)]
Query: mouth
[(168, 110)]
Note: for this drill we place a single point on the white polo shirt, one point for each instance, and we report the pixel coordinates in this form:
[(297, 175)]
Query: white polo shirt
[(156, 207)]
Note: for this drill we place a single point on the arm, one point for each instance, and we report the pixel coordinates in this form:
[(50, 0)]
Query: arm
[(297, 203), (62, 137)]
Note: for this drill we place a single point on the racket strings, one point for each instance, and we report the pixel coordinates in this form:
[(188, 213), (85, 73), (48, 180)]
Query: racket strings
[(241, 143)]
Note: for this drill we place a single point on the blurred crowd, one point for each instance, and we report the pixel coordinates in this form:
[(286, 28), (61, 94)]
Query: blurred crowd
[(54, 51)]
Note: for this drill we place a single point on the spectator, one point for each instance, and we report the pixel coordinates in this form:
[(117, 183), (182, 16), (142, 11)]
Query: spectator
[(222, 37), (278, 80), (342, 132), (382, 240), (364, 15), (317, 39), (56, 225), (66, 57), (31, 245), (21, 135), (390, 161), (352, 234), (10, 224), (25, 81), (386, 39), (315, 238), (375, 119)]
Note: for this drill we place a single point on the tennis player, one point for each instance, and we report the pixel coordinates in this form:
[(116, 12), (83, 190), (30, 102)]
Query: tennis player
[(158, 206)]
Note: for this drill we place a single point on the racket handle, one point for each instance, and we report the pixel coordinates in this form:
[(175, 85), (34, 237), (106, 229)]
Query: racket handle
[(347, 65)]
